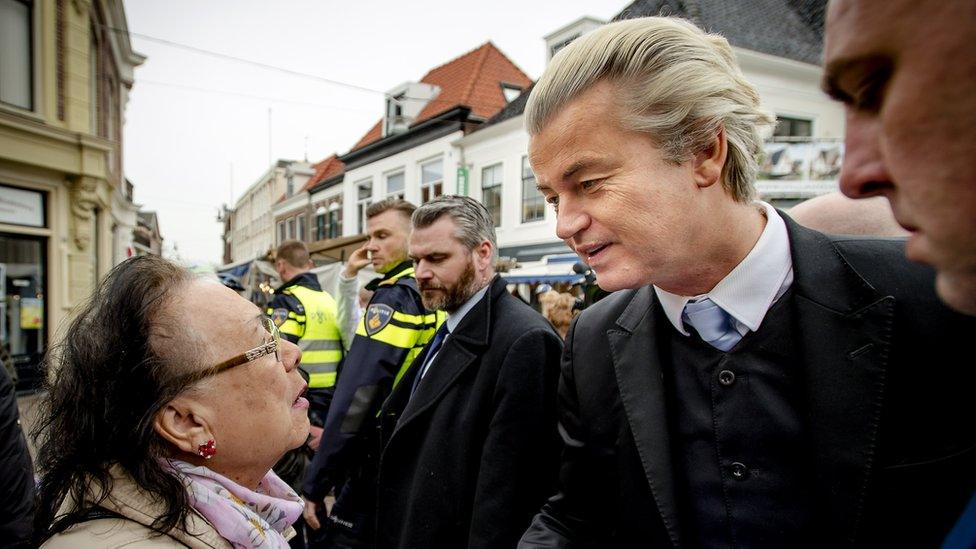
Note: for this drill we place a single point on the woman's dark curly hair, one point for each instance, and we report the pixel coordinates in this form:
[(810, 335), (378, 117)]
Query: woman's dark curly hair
[(106, 382)]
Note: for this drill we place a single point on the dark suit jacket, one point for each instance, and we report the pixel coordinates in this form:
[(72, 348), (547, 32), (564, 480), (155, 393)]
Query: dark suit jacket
[(473, 455), (888, 382)]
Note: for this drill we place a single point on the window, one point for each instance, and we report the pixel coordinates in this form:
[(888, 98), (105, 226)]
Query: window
[(533, 203), (511, 91), (792, 127), (431, 180), (491, 191), (394, 185), (291, 227), (281, 232), (16, 55), (290, 186), (333, 219), (364, 197), (301, 228)]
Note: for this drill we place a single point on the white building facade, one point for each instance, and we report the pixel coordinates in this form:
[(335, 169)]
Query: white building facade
[(252, 227)]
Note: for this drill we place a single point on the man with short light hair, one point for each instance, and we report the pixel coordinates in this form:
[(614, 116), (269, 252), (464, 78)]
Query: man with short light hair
[(470, 446), (751, 383)]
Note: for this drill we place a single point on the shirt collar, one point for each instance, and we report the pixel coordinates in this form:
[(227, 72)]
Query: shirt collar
[(754, 284), (455, 318)]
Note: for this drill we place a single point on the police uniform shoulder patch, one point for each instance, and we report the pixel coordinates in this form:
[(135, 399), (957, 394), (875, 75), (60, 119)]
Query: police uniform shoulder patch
[(377, 317), (279, 316)]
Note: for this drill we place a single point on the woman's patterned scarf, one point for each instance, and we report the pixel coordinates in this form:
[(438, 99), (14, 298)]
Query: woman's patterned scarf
[(246, 518)]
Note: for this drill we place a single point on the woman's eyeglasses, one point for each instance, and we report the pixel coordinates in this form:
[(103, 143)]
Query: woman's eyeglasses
[(272, 346)]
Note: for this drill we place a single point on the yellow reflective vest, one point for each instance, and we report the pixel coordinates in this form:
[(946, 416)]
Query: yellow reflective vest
[(307, 316)]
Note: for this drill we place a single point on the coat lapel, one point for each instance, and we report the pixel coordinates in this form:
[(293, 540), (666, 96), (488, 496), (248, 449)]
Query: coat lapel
[(845, 330), (459, 352), (634, 352)]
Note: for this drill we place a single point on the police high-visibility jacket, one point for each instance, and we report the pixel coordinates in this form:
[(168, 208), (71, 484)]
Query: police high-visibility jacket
[(392, 332), (306, 316)]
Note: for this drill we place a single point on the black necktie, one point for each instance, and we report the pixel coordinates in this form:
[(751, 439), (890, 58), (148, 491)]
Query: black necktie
[(432, 348)]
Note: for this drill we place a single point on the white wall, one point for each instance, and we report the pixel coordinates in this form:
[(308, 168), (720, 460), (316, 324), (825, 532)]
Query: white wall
[(409, 161), (790, 88), (507, 143)]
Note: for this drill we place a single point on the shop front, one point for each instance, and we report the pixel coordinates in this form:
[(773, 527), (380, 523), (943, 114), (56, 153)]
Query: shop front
[(23, 283)]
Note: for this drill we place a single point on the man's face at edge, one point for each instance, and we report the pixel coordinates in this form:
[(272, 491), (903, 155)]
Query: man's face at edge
[(908, 84)]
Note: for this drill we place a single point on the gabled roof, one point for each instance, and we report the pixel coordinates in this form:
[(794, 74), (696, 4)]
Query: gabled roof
[(785, 28), (326, 169), (472, 80)]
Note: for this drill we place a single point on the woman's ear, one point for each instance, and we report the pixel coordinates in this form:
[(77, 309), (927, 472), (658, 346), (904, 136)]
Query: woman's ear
[(183, 423), (710, 161)]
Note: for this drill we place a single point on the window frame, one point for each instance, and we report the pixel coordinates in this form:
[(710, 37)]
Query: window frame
[(497, 187), (430, 190), (386, 183), (363, 202), (537, 198), (32, 72)]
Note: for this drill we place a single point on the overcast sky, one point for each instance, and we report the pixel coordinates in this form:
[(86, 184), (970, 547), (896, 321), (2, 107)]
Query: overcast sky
[(196, 132)]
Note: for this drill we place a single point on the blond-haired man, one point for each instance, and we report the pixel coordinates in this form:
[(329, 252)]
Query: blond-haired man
[(755, 382)]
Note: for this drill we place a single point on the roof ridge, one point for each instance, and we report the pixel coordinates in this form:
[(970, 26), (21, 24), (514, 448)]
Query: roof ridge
[(509, 59), (465, 54), (476, 73)]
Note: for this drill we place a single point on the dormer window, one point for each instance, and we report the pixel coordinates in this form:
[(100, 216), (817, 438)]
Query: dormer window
[(394, 106), (396, 122), (511, 91), (403, 105)]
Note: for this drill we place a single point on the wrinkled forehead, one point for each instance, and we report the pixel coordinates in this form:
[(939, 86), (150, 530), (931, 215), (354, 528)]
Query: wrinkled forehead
[(213, 310), (578, 128)]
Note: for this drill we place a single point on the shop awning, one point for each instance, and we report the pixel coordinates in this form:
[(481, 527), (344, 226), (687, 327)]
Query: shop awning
[(550, 269), (512, 278)]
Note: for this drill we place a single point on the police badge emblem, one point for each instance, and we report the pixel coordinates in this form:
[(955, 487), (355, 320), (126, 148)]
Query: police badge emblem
[(279, 316), (377, 317)]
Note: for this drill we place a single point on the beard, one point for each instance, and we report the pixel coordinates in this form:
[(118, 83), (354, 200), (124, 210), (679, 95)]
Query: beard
[(449, 298)]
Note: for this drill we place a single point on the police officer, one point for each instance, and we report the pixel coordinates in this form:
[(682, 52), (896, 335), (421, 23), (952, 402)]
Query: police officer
[(393, 331), (307, 316)]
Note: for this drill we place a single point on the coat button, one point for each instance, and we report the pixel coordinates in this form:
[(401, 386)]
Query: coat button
[(739, 470), (726, 377)]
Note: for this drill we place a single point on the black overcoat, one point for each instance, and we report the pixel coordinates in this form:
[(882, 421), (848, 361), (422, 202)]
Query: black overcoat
[(887, 388), (473, 455)]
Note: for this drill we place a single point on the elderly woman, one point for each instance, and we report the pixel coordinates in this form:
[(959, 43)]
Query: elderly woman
[(171, 397)]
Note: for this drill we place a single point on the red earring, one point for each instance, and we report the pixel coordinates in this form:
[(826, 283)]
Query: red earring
[(207, 450)]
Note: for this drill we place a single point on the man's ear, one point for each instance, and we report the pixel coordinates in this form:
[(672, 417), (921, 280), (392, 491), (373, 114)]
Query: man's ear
[(482, 254), (710, 161), (183, 423)]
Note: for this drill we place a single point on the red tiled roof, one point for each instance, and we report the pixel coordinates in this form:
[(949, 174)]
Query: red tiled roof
[(472, 80), (326, 169)]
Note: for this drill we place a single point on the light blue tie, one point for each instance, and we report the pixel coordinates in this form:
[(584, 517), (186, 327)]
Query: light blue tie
[(715, 326)]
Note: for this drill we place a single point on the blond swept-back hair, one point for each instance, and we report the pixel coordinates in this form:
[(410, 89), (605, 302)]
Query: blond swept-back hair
[(676, 83)]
